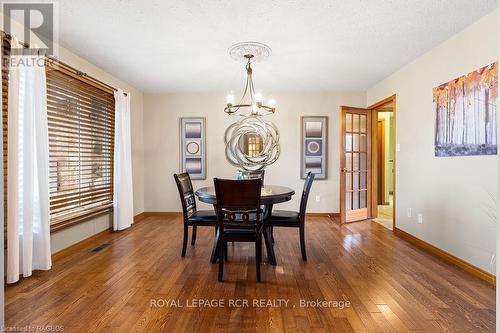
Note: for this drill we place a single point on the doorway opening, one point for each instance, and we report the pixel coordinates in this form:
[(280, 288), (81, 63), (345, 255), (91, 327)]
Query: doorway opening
[(383, 162), (368, 162)]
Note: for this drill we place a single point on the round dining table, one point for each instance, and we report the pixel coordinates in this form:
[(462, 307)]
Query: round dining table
[(270, 195)]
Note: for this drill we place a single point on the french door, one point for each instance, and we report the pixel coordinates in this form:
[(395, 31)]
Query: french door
[(355, 164)]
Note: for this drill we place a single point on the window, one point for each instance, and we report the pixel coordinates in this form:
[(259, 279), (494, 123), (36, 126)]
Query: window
[(81, 119)]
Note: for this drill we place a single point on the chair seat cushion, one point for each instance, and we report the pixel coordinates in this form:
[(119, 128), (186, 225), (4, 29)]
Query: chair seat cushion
[(203, 216), (279, 217)]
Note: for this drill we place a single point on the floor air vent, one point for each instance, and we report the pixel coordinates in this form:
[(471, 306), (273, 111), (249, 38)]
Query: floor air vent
[(101, 247)]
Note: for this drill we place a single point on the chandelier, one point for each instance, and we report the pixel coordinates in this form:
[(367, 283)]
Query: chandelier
[(251, 143), (251, 103)]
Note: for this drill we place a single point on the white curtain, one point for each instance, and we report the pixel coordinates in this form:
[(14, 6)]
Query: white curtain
[(28, 229), (123, 213)]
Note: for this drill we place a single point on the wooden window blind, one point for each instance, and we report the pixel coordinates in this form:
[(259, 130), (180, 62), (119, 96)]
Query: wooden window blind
[(5, 103), (81, 119), (81, 144)]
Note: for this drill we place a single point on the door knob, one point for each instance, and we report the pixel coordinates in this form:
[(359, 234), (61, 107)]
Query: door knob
[(344, 170)]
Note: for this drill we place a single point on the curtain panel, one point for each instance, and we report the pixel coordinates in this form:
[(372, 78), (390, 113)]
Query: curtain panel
[(28, 229), (123, 201)]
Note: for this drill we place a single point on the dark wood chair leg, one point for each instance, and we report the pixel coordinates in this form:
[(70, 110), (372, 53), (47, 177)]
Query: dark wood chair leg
[(303, 243), (193, 236), (258, 255), (267, 233), (272, 233), (215, 248), (221, 261), (185, 240), (269, 246)]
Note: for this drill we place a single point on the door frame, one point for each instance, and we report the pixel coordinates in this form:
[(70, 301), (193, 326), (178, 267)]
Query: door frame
[(369, 149), (374, 164), (381, 173)]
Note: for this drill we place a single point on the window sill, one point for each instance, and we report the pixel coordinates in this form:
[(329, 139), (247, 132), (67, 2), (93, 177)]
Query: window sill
[(55, 227)]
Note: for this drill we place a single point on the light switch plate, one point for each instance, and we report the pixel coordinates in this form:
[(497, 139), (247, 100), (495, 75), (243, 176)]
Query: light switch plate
[(398, 147)]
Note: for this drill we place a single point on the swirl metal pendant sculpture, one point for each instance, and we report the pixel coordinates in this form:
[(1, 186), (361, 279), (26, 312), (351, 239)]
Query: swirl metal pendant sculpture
[(252, 143)]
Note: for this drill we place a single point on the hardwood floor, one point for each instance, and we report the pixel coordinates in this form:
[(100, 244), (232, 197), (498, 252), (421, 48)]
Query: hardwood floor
[(391, 285)]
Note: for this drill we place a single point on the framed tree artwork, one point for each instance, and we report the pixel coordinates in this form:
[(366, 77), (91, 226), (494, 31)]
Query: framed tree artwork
[(192, 147), (466, 109), (314, 146)]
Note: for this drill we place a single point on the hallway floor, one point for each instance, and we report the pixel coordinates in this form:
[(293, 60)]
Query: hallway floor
[(385, 212)]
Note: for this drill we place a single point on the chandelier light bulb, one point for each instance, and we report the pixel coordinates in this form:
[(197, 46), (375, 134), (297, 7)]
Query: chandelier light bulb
[(259, 98), (272, 103), (230, 99)]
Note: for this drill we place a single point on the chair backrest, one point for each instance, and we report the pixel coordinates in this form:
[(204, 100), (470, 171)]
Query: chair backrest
[(305, 196), (186, 194), (238, 202)]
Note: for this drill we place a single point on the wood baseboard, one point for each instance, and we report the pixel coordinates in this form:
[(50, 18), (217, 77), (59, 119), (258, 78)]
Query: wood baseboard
[(331, 215), (139, 217), (162, 214), (476, 271)]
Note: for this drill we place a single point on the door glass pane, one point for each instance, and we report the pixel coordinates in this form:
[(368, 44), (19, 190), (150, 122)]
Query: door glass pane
[(348, 122), (363, 142), (362, 199), (355, 122), (348, 161), (355, 200), (355, 140), (355, 161), (348, 142), (355, 180)]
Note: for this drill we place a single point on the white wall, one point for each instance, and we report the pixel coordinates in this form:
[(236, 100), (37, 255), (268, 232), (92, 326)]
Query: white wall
[(454, 194), (161, 142)]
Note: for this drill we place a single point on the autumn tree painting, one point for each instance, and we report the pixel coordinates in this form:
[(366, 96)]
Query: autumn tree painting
[(466, 114)]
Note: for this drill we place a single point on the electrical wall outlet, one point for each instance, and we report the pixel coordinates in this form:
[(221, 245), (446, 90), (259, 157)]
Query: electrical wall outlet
[(318, 198), (408, 212), (398, 147), (420, 219)]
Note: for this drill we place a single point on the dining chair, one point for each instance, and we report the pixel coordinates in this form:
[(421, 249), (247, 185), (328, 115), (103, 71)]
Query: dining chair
[(192, 216), (292, 219), (239, 217)]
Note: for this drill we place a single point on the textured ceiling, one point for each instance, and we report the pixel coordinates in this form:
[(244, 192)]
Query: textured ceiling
[(172, 46)]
